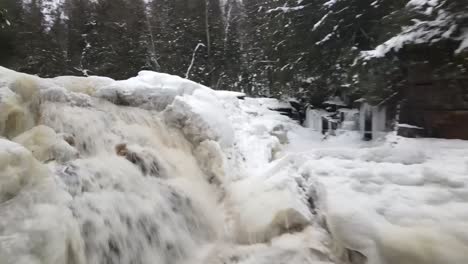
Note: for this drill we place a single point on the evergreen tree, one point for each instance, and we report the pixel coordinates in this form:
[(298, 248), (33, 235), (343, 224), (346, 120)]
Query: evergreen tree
[(79, 23), (31, 42), (12, 11), (116, 43), (189, 38), (230, 77), (56, 52)]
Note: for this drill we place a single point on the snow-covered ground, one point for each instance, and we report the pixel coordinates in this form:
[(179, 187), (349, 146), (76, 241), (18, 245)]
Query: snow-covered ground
[(158, 169)]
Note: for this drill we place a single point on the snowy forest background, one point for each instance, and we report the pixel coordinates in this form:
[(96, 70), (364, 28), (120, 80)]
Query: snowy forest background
[(307, 49)]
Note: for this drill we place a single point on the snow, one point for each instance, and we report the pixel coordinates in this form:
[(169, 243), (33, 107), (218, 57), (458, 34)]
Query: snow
[(392, 181), (313, 119), (149, 90), (464, 42), (285, 9), (335, 101), (48, 9), (441, 27), (421, 3), (330, 3), (395, 185), (200, 117), (232, 180), (325, 39), (272, 103), (316, 25), (227, 94), (409, 126), (378, 116)]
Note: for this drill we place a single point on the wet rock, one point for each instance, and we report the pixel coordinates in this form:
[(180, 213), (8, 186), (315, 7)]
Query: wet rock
[(147, 162), (69, 138)]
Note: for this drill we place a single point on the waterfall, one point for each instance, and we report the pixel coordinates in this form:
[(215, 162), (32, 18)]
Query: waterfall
[(143, 171), (77, 198)]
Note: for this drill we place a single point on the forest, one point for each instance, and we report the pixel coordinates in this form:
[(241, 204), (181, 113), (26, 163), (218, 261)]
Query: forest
[(233, 131), (304, 49)]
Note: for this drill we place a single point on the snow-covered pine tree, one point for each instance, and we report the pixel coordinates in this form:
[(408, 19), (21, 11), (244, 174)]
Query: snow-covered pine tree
[(78, 23), (31, 41)]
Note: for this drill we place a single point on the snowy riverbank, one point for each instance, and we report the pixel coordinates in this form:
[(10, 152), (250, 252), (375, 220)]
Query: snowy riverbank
[(200, 176)]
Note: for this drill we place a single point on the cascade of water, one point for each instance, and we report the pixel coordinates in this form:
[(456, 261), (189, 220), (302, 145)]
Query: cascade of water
[(143, 171), (119, 185)]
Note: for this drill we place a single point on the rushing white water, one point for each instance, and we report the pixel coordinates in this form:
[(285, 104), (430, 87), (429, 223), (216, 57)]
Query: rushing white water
[(94, 171), (88, 204)]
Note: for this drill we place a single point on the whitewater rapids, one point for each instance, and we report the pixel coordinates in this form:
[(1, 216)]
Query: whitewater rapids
[(158, 169)]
